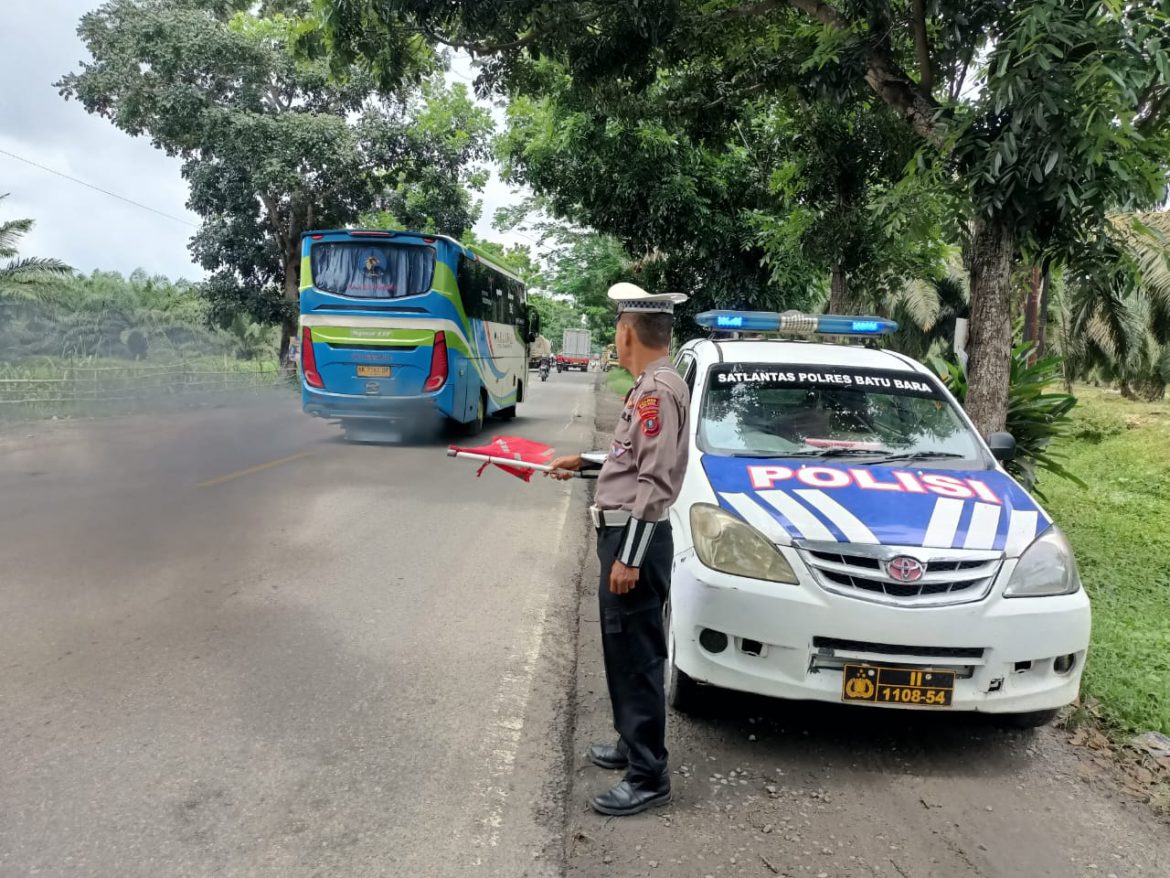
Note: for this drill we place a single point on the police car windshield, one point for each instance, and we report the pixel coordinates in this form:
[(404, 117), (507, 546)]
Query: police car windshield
[(766, 410)]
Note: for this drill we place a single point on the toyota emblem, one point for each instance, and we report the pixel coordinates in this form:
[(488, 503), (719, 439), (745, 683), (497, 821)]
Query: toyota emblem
[(905, 569)]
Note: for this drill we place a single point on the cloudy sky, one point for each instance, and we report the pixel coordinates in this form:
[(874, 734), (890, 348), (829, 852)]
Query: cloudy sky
[(85, 228)]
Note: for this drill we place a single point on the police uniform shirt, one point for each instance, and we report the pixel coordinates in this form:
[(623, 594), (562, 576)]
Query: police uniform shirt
[(644, 469)]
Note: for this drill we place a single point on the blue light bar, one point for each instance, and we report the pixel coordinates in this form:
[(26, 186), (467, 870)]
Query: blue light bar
[(771, 321), (740, 321)]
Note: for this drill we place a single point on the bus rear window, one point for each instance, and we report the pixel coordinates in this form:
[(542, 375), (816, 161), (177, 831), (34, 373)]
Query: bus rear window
[(372, 270)]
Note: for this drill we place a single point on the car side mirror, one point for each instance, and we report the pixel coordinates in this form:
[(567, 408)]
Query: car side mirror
[(533, 324), (1002, 445)]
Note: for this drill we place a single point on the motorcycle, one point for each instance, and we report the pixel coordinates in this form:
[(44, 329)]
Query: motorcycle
[(544, 370)]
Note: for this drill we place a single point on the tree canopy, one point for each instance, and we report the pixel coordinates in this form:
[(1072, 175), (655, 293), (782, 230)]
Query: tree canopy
[(275, 140), (1033, 120)]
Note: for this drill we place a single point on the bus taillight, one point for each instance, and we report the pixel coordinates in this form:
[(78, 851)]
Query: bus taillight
[(438, 376), (309, 359)]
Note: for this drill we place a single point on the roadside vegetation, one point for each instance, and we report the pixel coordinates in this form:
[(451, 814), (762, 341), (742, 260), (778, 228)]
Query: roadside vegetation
[(73, 344), (1120, 529), (619, 381)]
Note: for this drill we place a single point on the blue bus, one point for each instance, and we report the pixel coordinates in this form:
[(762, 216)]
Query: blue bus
[(396, 326)]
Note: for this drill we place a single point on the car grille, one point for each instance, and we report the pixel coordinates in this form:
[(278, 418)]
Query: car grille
[(834, 654), (836, 644), (954, 578)]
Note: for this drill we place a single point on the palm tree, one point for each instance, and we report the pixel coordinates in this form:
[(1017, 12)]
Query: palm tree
[(29, 278), (926, 310), (1114, 311)]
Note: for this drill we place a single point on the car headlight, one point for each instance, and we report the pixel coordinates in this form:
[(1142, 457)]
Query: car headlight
[(726, 544), (1046, 568)]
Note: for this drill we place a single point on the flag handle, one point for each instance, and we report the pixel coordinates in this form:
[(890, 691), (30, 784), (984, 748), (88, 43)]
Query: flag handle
[(518, 464)]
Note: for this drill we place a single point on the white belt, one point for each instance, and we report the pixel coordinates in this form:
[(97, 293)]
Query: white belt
[(613, 517), (608, 517)]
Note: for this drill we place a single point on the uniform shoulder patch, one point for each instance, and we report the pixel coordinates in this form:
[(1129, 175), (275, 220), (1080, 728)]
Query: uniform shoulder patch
[(648, 415)]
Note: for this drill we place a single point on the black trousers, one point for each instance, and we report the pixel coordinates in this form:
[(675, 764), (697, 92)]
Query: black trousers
[(633, 641)]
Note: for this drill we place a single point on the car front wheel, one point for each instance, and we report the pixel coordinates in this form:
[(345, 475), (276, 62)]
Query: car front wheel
[(1031, 720), (682, 693)]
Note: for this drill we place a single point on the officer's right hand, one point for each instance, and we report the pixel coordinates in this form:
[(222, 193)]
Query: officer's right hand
[(564, 467)]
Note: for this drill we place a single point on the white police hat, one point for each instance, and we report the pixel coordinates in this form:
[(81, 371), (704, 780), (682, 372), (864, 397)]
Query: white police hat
[(631, 297)]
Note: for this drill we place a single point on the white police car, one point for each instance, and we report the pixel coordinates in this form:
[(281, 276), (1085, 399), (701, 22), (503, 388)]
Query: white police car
[(844, 534)]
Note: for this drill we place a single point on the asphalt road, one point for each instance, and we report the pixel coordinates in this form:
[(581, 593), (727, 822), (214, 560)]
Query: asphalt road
[(234, 644)]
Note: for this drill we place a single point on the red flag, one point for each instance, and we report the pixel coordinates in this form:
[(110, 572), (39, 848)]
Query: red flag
[(510, 448)]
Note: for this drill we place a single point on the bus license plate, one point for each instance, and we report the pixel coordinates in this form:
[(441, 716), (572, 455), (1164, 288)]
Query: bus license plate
[(910, 686), (373, 371)]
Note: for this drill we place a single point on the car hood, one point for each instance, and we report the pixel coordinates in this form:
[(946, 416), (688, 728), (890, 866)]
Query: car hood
[(790, 499)]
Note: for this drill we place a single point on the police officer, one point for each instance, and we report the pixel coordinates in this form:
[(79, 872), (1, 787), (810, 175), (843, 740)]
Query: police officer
[(639, 480)]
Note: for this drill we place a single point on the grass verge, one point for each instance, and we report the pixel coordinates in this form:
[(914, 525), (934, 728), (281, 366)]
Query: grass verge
[(46, 387), (619, 381), (1120, 529)]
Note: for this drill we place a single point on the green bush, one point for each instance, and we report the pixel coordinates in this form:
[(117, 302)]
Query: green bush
[(1095, 427), (1035, 418)]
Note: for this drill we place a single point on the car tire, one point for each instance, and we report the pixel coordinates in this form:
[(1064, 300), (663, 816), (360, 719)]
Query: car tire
[(682, 693), (1033, 719)]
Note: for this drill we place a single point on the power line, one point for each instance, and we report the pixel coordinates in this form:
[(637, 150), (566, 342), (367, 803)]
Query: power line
[(152, 209), (97, 188), (525, 235)]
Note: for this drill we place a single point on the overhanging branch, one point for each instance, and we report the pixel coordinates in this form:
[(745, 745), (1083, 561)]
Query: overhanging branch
[(884, 76), (1155, 109), (477, 48), (822, 12), (762, 8)]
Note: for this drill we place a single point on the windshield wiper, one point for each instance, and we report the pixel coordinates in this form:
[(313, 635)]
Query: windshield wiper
[(916, 455), (834, 452)]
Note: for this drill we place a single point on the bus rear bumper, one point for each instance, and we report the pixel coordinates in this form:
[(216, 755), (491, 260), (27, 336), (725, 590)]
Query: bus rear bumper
[(345, 406)]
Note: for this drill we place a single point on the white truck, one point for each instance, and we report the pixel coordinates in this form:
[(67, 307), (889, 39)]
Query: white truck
[(576, 349)]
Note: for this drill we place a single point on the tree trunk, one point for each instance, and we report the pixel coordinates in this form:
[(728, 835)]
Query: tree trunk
[(1144, 390), (288, 330), (292, 292), (1032, 314), (990, 343), (1042, 315), (838, 290)]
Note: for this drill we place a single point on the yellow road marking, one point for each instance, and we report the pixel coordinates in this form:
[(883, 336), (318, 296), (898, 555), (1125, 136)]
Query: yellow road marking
[(211, 483)]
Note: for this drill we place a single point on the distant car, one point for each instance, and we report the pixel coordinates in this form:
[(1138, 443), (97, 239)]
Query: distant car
[(844, 534)]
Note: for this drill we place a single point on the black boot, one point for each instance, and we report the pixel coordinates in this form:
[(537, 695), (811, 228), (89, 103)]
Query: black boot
[(633, 797), (611, 756)]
